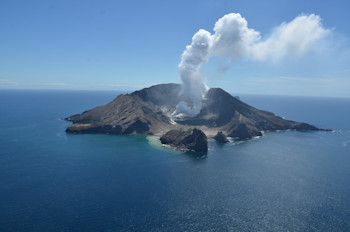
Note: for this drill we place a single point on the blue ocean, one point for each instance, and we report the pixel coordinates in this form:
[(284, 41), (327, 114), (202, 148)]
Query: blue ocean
[(283, 181)]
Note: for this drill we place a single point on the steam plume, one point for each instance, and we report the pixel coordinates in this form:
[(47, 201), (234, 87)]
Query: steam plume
[(232, 39), (193, 83)]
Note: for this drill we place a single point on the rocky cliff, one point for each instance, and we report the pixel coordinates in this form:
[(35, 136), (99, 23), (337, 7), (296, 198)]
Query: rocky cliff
[(192, 139)]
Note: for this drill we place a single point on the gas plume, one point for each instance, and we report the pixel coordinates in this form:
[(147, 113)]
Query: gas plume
[(233, 40)]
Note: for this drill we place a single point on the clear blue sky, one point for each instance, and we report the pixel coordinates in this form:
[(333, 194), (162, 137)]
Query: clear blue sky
[(126, 45)]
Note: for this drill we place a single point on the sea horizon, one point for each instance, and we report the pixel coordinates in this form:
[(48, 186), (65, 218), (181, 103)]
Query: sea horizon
[(120, 91)]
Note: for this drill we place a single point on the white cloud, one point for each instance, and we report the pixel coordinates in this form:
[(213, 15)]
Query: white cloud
[(7, 82), (291, 39), (232, 37)]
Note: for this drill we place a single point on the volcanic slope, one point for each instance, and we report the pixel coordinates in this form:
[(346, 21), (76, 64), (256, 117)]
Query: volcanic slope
[(149, 112)]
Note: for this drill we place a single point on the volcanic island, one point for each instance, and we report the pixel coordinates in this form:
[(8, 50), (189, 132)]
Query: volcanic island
[(150, 112)]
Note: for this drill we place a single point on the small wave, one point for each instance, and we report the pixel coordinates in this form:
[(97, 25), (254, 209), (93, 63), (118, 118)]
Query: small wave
[(337, 131), (239, 142), (346, 143), (62, 135), (211, 148)]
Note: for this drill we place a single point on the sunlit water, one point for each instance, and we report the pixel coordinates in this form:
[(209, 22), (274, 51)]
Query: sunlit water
[(286, 181)]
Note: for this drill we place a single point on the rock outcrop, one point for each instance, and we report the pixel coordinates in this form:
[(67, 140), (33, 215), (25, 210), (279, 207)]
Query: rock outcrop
[(221, 138), (192, 139), (149, 112)]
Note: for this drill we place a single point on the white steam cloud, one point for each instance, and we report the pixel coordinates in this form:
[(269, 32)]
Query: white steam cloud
[(291, 39), (193, 84), (232, 39)]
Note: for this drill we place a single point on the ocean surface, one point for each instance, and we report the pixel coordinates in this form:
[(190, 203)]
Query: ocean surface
[(283, 181)]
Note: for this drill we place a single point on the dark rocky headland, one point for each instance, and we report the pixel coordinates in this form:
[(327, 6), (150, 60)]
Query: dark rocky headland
[(149, 112)]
